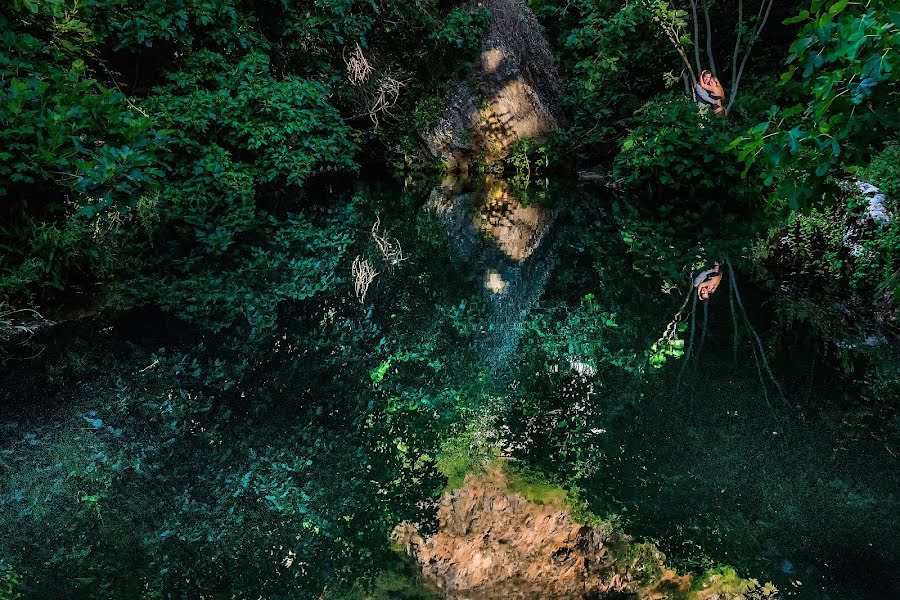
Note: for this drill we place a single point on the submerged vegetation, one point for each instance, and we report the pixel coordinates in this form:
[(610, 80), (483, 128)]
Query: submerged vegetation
[(244, 333)]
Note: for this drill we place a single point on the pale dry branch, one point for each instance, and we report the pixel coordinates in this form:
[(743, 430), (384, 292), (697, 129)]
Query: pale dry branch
[(358, 67), (363, 274), (389, 247), (385, 97)]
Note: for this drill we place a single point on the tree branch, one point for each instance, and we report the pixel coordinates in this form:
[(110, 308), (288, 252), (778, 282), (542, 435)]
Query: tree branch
[(737, 47), (696, 37), (768, 9), (709, 36)]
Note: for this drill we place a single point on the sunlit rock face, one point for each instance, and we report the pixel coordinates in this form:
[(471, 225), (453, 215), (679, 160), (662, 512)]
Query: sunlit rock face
[(517, 94), (494, 544)]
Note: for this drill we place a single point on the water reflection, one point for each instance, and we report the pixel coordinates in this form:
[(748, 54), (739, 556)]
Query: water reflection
[(512, 244)]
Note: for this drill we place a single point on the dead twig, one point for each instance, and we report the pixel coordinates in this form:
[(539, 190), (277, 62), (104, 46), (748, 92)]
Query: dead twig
[(389, 247), (363, 274)]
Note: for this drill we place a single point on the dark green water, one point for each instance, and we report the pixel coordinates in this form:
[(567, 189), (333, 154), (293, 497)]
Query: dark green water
[(159, 457)]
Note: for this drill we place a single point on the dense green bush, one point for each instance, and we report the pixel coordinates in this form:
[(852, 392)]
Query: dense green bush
[(884, 173), (184, 130), (843, 64), (608, 63), (672, 146)]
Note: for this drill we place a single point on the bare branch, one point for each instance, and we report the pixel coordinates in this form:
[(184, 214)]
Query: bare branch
[(390, 248), (709, 37), (672, 31), (737, 47), (696, 37), (358, 67), (386, 95), (767, 4), (363, 275)]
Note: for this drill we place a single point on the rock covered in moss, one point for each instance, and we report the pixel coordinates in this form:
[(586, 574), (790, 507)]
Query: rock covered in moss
[(493, 544)]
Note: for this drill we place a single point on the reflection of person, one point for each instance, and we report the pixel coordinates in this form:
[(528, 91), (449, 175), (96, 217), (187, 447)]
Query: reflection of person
[(709, 91), (708, 282)]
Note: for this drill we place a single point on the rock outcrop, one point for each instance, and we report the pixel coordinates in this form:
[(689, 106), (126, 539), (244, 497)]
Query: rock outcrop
[(493, 544), (518, 91)]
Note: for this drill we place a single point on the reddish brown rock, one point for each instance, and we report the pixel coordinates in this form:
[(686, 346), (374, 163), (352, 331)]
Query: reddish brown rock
[(494, 544)]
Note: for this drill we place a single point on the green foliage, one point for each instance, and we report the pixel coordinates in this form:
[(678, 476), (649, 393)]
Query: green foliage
[(471, 451), (9, 583), (581, 336), (836, 247), (463, 29), (528, 159), (668, 346), (535, 489), (609, 62), (400, 580), (843, 65), (671, 146), (289, 259), (725, 580), (56, 255), (811, 245), (62, 126), (882, 171), (237, 105), (282, 127)]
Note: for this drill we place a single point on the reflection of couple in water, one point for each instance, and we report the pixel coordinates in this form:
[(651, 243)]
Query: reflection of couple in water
[(709, 91), (708, 282)]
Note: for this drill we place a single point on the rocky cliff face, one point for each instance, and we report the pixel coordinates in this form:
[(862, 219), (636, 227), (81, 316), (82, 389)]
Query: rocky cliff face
[(518, 91), (493, 544)]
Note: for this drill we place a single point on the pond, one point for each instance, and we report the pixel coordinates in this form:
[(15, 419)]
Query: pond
[(545, 321)]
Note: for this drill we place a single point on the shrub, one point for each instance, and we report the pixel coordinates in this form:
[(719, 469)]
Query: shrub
[(673, 146), (884, 173)]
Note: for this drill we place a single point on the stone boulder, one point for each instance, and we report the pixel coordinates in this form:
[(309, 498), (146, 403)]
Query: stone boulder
[(518, 91), (493, 544)]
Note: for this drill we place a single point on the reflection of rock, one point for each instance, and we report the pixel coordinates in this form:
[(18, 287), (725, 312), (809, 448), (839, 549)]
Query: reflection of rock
[(518, 93), (516, 229), (494, 544), (507, 241)]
